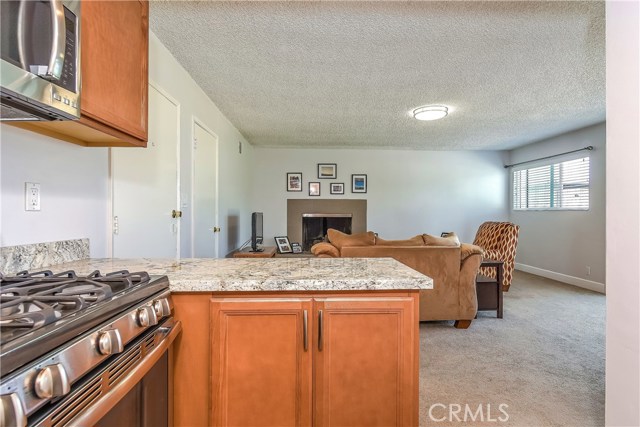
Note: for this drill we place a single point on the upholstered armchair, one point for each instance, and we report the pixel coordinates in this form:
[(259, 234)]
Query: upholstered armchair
[(499, 241)]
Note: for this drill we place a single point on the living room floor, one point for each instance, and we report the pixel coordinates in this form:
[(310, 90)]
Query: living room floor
[(545, 360)]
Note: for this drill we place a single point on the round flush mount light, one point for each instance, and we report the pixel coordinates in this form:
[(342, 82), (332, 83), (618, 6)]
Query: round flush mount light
[(430, 112)]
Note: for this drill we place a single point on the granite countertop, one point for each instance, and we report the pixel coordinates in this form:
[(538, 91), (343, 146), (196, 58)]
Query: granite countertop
[(272, 274)]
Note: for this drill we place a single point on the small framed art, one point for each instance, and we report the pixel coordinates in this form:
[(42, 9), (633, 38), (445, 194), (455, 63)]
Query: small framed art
[(327, 171), (358, 183), (294, 181), (284, 247), (314, 188), (336, 188)]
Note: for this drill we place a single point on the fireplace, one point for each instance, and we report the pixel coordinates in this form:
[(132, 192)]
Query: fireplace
[(353, 211), (315, 226)]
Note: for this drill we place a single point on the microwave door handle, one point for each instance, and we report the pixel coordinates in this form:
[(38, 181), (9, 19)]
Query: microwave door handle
[(56, 61), (22, 29)]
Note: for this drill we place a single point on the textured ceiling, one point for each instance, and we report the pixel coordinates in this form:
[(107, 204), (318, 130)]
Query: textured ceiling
[(346, 74)]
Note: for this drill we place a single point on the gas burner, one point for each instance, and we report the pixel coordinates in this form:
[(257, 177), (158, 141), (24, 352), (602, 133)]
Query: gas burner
[(32, 300)]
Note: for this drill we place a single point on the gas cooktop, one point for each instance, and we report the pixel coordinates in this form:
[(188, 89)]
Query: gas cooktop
[(41, 310)]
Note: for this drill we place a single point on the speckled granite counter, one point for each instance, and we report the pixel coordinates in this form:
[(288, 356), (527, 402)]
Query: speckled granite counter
[(273, 274)]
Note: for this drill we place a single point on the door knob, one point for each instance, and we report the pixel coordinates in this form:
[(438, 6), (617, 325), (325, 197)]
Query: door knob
[(176, 214)]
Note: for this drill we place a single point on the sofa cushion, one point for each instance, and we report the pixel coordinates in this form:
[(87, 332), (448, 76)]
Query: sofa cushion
[(324, 249), (340, 239), (450, 240), (413, 241)]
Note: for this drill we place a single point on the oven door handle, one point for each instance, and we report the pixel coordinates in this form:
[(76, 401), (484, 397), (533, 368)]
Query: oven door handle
[(96, 412)]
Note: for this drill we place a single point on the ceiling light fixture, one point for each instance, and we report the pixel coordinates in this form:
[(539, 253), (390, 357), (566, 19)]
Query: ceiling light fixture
[(430, 112)]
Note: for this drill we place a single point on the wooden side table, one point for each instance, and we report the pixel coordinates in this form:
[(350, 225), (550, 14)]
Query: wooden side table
[(268, 252), (489, 290)]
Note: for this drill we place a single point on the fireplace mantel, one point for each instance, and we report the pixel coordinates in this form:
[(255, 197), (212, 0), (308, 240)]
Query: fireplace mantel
[(297, 207)]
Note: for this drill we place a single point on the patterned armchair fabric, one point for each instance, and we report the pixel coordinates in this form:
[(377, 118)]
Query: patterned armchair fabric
[(499, 241)]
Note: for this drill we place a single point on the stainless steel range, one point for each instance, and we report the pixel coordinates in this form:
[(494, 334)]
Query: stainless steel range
[(74, 349)]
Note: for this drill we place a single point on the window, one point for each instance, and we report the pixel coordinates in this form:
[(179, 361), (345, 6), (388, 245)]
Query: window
[(558, 186)]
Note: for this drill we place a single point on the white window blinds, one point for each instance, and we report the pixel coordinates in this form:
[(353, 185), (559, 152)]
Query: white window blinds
[(557, 186)]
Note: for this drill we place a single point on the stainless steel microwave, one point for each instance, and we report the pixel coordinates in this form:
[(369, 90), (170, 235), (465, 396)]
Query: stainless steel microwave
[(40, 67)]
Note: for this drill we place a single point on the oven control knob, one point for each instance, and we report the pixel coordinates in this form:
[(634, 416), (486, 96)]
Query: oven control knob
[(162, 307), (146, 316), (109, 342), (12, 411), (52, 381)]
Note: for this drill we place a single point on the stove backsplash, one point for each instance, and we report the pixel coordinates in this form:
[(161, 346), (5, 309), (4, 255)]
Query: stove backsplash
[(35, 256)]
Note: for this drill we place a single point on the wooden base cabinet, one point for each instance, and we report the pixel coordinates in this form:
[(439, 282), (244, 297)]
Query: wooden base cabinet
[(364, 362), (261, 362), (324, 360)]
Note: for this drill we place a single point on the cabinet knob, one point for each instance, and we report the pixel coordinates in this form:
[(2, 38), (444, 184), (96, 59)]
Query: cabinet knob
[(216, 229), (176, 214)]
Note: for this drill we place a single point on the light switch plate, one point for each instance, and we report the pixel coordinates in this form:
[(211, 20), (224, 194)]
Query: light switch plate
[(31, 196)]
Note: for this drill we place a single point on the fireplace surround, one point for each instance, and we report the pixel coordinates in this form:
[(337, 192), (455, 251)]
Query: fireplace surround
[(335, 209)]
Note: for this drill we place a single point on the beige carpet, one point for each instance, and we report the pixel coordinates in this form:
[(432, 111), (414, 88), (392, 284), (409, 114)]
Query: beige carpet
[(544, 360)]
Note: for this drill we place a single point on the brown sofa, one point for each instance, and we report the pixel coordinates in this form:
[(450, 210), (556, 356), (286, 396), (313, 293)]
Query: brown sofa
[(452, 266)]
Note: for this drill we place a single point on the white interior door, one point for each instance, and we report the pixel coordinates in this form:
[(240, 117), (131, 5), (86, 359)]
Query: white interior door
[(146, 187), (205, 193)]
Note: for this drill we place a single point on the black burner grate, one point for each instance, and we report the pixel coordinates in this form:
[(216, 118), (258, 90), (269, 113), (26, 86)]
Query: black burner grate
[(31, 300)]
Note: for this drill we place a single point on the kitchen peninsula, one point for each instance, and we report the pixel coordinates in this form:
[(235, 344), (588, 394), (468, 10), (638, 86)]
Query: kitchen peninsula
[(290, 341)]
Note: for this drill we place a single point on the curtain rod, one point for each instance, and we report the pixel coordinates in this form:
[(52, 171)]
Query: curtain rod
[(589, 148)]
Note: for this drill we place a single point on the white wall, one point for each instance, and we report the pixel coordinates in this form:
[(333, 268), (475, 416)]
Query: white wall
[(623, 214), (75, 180), (566, 242), (234, 169), (74, 190), (409, 192)]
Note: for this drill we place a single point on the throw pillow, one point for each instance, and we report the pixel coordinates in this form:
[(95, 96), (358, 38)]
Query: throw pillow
[(324, 249), (340, 239), (450, 240), (414, 241)]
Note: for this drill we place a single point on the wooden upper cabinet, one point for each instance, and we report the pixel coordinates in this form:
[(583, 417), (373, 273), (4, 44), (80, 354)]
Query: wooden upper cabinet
[(261, 362), (115, 65), (115, 78), (365, 363)]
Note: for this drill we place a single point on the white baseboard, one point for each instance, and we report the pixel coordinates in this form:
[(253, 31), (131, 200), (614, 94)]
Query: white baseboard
[(564, 278)]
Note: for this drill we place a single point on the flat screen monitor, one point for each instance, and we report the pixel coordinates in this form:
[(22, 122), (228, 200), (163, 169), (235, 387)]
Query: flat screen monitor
[(256, 231)]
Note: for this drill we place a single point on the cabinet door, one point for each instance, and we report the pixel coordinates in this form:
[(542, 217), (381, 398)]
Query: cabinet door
[(365, 359), (115, 56), (261, 365)]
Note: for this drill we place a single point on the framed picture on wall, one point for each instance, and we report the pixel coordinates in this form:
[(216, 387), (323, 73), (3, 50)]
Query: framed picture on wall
[(284, 247), (327, 171), (294, 181), (359, 183), (314, 188), (336, 188)]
